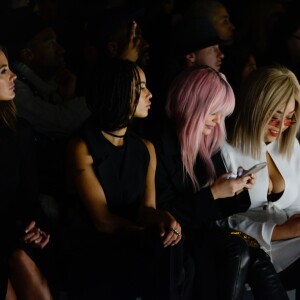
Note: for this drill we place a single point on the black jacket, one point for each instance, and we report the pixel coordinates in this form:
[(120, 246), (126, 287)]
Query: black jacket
[(175, 190)]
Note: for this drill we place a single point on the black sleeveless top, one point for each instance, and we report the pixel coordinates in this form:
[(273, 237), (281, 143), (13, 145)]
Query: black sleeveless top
[(18, 174), (121, 171)]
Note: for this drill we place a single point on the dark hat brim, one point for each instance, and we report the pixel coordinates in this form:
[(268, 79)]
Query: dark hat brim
[(194, 46), (194, 34)]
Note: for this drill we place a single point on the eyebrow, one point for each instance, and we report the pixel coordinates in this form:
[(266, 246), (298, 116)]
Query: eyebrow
[(141, 82), (3, 66), (281, 112)]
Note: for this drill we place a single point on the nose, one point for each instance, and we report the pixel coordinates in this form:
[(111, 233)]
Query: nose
[(143, 44), (221, 55), (59, 48), (217, 118), (12, 76), (219, 52), (149, 94)]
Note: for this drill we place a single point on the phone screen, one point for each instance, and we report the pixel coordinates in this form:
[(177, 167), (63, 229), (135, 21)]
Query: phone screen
[(255, 169)]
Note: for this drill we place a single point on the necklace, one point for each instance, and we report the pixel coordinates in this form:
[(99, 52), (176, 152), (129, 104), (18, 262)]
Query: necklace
[(114, 135)]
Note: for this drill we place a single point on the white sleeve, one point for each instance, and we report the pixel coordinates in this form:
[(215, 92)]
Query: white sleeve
[(292, 177), (294, 208), (261, 231)]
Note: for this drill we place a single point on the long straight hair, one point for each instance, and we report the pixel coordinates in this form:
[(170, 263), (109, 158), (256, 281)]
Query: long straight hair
[(264, 91), (8, 112), (193, 96)]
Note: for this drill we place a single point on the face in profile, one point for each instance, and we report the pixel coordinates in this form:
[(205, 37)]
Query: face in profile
[(281, 120), (7, 78), (47, 52), (222, 24), (144, 103), (210, 56), (249, 67), (121, 43), (211, 121)]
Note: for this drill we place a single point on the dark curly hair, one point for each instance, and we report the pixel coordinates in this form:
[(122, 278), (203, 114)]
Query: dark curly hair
[(114, 94)]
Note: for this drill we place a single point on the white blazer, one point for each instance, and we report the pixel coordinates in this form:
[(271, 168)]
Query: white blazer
[(262, 216)]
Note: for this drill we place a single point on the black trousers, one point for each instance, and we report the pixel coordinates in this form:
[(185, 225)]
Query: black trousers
[(262, 277), (127, 266), (221, 264), (224, 263)]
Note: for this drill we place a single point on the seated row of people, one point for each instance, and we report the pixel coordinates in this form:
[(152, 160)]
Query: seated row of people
[(162, 222), (200, 157), (192, 189), (183, 188)]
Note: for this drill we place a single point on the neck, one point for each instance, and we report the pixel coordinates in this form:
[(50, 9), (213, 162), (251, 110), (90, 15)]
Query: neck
[(115, 137), (114, 134)]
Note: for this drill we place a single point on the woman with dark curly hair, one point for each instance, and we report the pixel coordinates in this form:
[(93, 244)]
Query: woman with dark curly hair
[(120, 245)]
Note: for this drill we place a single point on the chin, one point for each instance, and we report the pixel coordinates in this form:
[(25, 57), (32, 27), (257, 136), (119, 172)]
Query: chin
[(8, 98), (217, 68), (141, 116), (270, 139), (206, 132)]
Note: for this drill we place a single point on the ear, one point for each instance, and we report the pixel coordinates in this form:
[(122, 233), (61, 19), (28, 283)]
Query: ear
[(27, 55), (190, 59), (112, 49)]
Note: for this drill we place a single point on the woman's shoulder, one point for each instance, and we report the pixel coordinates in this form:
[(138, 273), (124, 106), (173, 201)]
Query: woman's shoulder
[(77, 152), (149, 146), (77, 146), (296, 152)]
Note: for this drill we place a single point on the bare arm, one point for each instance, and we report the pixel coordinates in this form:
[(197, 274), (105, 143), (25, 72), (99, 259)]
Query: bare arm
[(149, 214), (288, 230), (91, 193)]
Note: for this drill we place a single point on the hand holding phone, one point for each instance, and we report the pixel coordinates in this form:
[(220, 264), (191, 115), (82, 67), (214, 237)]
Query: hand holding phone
[(254, 169), (242, 172)]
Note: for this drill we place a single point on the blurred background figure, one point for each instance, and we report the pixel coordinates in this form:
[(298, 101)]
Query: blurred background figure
[(46, 97), (217, 14)]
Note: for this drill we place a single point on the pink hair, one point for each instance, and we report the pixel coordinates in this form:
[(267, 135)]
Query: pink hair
[(194, 94)]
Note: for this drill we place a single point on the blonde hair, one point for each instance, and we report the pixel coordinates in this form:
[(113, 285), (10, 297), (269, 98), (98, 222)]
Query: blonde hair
[(264, 91)]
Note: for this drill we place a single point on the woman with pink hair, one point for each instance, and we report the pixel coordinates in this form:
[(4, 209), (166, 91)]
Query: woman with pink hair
[(193, 184)]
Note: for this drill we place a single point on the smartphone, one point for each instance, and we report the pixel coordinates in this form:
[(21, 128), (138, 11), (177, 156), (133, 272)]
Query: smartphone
[(254, 169)]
